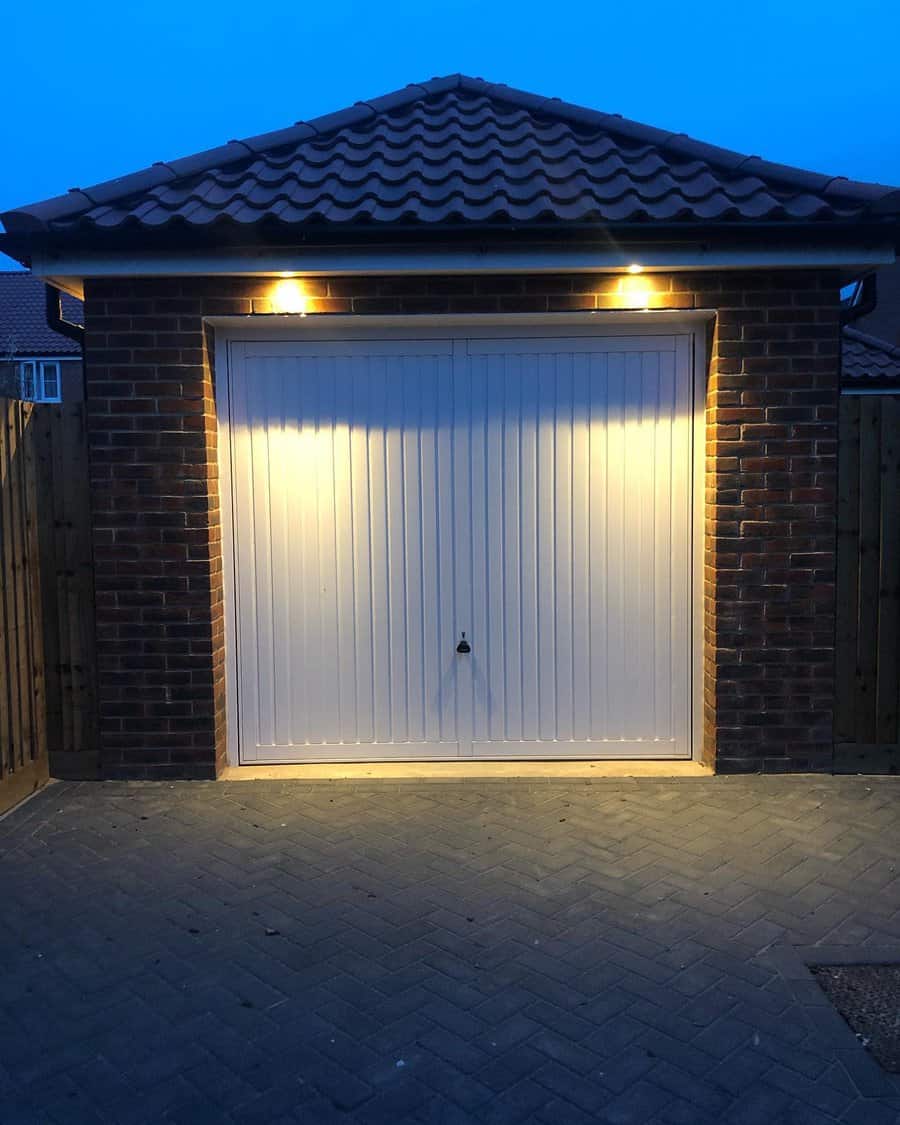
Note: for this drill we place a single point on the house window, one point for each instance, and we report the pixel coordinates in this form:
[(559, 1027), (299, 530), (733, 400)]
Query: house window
[(39, 380)]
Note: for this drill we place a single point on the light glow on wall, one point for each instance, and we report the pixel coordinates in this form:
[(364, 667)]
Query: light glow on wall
[(288, 297), (635, 292)]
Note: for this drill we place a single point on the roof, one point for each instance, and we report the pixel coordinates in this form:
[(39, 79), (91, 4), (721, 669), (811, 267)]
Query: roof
[(454, 151), (23, 319), (869, 362)]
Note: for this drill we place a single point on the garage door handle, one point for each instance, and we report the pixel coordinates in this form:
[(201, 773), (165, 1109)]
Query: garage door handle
[(463, 646)]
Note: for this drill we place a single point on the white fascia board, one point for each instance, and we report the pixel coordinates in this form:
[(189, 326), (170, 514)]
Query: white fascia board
[(428, 325), (37, 357), (69, 270)]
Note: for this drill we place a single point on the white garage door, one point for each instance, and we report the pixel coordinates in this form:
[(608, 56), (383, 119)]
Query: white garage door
[(389, 495)]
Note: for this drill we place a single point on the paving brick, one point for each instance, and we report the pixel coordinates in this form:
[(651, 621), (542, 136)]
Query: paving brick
[(626, 1068), (516, 1029), (688, 1088), (680, 1112), (741, 1072), (556, 1111), (520, 1102), (656, 1016), (687, 1057), (760, 1105), (463, 1090), (724, 1036), (405, 1100), (454, 1049), (566, 1051), (639, 1102), (501, 1073), (585, 1093), (869, 1112), (817, 1094)]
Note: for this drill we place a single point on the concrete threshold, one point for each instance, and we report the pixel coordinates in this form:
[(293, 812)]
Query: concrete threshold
[(461, 771)]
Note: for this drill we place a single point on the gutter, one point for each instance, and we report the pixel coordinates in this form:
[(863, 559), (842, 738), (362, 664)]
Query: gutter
[(55, 320), (864, 299)]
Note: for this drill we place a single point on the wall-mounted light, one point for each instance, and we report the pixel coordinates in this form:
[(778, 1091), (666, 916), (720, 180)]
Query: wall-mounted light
[(288, 297), (635, 268), (635, 292)]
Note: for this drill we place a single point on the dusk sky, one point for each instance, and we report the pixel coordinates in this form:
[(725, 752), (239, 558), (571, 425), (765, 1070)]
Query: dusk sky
[(96, 90)]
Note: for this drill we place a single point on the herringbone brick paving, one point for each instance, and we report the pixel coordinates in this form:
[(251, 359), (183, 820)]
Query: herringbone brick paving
[(489, 952)]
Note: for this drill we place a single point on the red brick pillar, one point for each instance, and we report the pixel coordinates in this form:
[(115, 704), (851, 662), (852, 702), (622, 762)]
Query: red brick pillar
[(771, 503), (156, 528)]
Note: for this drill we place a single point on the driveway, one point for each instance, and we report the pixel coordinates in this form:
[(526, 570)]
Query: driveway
[(272, 952)]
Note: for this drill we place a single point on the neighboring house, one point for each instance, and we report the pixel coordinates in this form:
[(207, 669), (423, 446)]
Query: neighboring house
[(36, 363), (463, 423)]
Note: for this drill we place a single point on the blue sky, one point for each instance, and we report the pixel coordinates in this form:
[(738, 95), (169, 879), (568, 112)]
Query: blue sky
[(95, 90)]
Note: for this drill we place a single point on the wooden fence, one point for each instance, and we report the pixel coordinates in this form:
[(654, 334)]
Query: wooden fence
[(867, 710), (23, 722), (67, 579)]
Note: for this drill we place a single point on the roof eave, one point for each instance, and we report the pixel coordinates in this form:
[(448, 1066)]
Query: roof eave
[(16, 242)]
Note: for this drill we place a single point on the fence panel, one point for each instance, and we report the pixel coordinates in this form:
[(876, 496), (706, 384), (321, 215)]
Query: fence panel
[(67, 581), (23, 725), (867, 711)]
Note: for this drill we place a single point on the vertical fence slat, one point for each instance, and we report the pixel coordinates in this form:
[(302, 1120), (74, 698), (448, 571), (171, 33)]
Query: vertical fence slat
[(32, 573), (80, 580), (57, 504), (847, 570), (867, 704), (7, 663), (869, 549), (69, 585), (11, 585), (889, 586), (81, 553), (23, 750), (25, 651), (42, 428)]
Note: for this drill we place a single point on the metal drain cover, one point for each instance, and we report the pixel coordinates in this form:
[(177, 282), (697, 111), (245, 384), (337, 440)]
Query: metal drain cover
[(868, 997)]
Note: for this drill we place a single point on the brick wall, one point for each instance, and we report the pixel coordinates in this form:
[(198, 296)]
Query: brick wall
[(157, 533), (771, 459), (770, 546)]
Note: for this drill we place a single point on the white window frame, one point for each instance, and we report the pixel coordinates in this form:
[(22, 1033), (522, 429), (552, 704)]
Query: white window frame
[(38, 369)]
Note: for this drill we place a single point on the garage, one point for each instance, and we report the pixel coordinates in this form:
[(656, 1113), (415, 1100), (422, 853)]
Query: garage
[(464, 359), (460, 541)]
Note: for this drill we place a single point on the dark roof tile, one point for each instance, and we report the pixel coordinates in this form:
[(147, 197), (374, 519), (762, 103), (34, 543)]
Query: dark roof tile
[(456, 150), (868, 361), (141, 181)]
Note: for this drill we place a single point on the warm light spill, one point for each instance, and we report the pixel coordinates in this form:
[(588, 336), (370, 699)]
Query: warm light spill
[(288, 297), (635, 292)]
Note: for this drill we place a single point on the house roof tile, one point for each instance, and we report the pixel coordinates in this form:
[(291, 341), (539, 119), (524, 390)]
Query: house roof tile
[(23, 319), (868, 361), (460, 150)]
